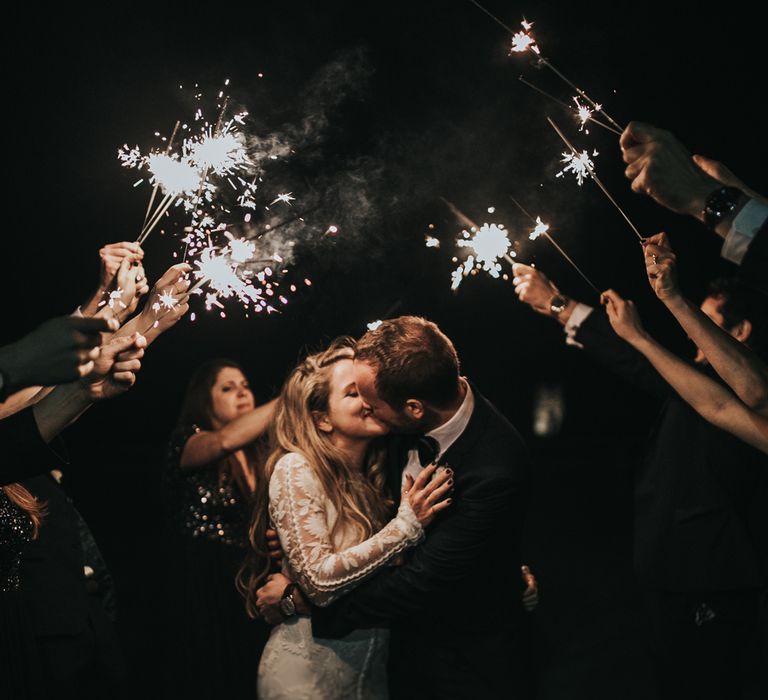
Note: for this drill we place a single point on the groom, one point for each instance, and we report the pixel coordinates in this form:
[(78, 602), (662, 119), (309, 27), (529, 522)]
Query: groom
[(454, 605)]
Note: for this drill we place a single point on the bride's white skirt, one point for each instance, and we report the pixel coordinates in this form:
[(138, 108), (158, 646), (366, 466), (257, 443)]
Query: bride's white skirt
[(295, 665)]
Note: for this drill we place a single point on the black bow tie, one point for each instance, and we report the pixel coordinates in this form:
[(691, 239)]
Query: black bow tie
[(428, 449)]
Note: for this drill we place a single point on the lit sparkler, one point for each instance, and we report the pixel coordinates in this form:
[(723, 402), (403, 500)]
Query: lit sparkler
[(525, 41), (594, 176), (542, 229), (580, 113), (286, 198), (580, 164)]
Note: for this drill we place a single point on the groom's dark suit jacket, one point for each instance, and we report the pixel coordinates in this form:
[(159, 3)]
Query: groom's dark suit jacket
[(454, 606)]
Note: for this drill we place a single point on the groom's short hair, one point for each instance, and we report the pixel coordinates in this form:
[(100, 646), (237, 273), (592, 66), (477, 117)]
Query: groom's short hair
[(413, 359)]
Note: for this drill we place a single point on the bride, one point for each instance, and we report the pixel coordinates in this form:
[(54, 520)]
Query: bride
[(327, 502)]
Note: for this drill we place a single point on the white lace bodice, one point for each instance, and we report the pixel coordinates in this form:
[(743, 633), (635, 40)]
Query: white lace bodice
[(304, 516)]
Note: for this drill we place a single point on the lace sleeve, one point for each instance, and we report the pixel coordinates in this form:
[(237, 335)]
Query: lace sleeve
[(298, 507)]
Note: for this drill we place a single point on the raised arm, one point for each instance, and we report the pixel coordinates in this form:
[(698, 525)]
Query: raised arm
[(738, 366), (206, 447), (709, 399)]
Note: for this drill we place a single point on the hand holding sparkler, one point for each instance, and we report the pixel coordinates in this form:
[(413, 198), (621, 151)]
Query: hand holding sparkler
[(623, 317), (115, 369), (166, 304), (534, 288), (111, 257), (662, 168), (130, 286), (660, 265)]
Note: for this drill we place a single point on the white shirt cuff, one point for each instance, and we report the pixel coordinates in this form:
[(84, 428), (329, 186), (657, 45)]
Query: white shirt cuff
[(743, 230), (78, 312), (578, 316)]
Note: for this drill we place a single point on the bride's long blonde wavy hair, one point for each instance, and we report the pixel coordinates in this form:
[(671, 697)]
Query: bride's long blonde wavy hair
[(360, 499)]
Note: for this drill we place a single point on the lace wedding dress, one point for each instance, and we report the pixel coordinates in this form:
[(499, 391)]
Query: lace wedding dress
[(294, 664)]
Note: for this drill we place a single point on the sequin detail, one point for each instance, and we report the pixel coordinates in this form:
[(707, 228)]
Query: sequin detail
[(15, 532)]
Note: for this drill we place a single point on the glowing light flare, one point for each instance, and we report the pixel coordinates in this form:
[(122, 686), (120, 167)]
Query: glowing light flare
[(489, 243), (373, 325), (524, 40), (174, 176), (432, 242), (287, 198), (581, 165), (540, 229)]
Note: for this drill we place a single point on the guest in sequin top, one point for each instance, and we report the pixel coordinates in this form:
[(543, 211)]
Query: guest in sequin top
[(20, 517), (213, 461)]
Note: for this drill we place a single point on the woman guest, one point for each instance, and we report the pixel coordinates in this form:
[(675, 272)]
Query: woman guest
[(336, 528), (213, 460)]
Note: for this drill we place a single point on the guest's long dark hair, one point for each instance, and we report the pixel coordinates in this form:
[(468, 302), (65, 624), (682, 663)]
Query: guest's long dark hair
[(197, 406), (197, 409)]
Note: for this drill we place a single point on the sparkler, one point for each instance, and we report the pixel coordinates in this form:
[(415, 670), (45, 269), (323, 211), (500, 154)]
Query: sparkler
[(525, 41), (580, 164), (593, 175), (287, 198), (583, 112), (488, 244), (542, 229)]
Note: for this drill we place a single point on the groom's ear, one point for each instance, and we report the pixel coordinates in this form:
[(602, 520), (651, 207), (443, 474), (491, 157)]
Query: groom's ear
[(322, 423), (414, 408)]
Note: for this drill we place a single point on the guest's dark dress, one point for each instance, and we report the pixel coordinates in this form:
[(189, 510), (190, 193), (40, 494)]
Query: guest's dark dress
[(20, 669), (213, 646)]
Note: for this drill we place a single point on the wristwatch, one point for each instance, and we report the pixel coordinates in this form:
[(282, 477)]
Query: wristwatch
[(558, 303), (287, 603), (719, 204)]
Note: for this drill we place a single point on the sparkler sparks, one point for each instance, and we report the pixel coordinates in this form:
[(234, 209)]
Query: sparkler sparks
[(541, 228), (580, 164), (489, 243), (584, 113), (115, 298), (287, 198), (523, 41)]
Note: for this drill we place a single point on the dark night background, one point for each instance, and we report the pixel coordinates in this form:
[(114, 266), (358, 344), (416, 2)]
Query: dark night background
[(424, 102)]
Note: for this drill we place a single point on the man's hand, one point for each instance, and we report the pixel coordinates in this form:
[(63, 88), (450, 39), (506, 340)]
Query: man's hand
[(623, 317), (662, 168), (661, 267), (58, 351), (115, 369), (268, 599), (534, 288)]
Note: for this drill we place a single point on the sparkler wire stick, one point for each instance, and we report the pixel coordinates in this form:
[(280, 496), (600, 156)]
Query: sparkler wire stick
[(204, 176), (597, 180), (559, 249), (567, 106), (157, 184), (546, 63), (168, 200)]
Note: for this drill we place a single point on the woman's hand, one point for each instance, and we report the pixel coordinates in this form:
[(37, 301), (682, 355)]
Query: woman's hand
[(623, 317), (661, 267), (167, 303), (427, 494)]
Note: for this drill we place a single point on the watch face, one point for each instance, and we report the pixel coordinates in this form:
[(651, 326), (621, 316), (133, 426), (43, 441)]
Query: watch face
[(287, 606)]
